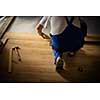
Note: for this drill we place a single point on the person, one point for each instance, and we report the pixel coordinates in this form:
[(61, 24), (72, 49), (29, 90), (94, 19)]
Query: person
[(66, 35)]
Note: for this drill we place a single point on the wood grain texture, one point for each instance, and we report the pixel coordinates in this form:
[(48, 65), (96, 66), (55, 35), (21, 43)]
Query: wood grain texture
[(37, 62), (37, 59)]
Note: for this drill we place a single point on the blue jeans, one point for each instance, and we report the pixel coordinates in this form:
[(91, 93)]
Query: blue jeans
[(71, 39)]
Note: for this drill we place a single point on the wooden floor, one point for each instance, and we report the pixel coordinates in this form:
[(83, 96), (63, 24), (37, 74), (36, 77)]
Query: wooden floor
[(37, 62)]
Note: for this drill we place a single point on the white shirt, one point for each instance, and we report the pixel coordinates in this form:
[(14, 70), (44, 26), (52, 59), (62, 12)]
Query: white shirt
[(57, 24)]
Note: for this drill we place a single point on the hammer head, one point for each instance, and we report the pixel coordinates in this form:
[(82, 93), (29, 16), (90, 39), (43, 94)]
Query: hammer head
[(17, 47)]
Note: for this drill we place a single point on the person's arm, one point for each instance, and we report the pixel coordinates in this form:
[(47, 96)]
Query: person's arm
[(40, 27)]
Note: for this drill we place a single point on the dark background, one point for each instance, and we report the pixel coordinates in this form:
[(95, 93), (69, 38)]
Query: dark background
[(93, 23)]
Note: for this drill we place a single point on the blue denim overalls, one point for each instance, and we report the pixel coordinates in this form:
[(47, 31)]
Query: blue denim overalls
[(70, 40)]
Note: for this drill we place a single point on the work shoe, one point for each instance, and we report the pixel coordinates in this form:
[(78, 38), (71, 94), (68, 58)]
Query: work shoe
[(59, 64)]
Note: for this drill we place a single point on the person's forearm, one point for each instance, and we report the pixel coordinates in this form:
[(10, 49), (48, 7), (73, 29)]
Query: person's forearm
[(39, 28), (39, 31)]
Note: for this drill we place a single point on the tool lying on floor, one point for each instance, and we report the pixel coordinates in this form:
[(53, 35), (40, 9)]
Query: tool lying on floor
[(17, 52), (16, 49)]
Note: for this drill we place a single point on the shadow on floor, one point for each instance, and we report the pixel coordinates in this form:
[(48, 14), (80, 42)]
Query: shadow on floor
[(81, 68)]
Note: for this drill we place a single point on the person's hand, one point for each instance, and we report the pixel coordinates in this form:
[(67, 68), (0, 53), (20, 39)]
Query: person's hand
[(45, 36)]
